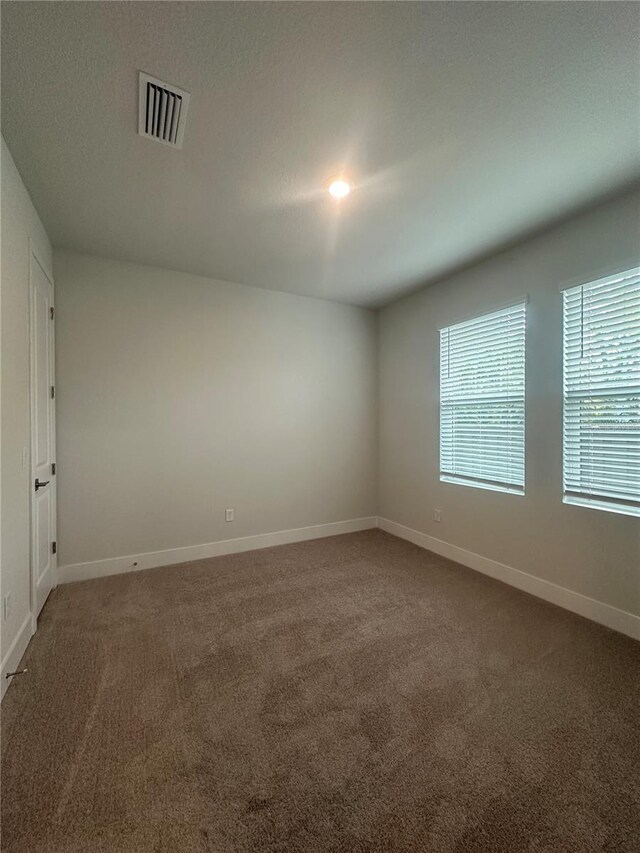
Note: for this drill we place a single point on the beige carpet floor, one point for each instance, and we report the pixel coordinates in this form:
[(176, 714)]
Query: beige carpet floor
[(347, 694)]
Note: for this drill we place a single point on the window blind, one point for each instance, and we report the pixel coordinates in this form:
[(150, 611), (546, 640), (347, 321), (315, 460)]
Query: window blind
[(602, 393), (482, 374)]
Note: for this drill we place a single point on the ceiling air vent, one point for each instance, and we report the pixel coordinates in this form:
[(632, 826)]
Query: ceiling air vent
[(162, 111)]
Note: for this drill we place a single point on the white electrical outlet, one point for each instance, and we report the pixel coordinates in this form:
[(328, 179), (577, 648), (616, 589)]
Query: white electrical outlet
[(6, 606), (229, 514), (437, 515)]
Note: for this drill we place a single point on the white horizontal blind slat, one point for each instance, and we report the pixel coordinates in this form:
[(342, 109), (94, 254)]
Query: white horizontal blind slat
[(482, 407), (601, 432)]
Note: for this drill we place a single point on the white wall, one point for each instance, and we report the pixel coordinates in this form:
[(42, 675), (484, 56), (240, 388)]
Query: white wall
[(20, 223), (179, 396), (588, 551)]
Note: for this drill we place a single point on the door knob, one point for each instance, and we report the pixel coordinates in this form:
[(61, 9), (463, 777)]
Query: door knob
[(41, 485)]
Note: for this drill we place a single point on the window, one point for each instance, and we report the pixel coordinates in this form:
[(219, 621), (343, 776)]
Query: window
[(482, 401), (601, 439)]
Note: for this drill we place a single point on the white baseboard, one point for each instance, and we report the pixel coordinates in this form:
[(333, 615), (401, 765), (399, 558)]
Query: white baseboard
[(597, 611), (153, 559), (18, 647)]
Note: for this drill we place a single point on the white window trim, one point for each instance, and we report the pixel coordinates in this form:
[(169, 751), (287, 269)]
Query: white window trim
[(572, 496), (470, 480)]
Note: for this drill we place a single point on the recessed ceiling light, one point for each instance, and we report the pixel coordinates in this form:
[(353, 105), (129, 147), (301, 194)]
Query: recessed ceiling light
[(339, 189)]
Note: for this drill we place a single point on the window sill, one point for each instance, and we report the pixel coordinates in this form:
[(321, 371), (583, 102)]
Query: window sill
[(491, 487), (603, 506)]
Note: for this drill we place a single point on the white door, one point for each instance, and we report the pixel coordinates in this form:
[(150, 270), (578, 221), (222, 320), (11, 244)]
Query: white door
[(43, 481)]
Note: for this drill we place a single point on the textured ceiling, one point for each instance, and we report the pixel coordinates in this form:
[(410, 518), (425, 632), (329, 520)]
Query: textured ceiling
[(462, 126)]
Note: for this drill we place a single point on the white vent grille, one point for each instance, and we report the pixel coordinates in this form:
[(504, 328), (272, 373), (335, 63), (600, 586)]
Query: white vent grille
[(162, 111)]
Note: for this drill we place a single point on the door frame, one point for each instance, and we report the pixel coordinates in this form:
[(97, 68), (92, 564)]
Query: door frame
[(35, 258)]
